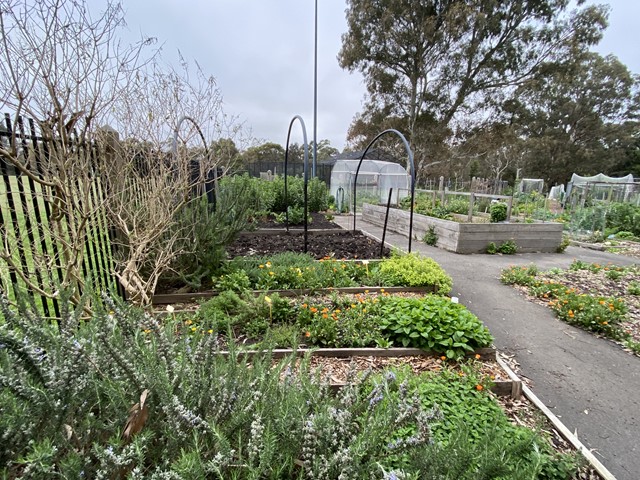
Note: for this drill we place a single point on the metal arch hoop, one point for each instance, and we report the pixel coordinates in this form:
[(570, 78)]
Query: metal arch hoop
[(174, 148), (413, 176), (306, 177)]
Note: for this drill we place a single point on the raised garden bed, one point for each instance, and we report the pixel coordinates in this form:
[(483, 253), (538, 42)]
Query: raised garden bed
[(469, 237)]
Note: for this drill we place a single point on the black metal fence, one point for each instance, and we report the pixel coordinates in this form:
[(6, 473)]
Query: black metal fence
[(323, 171), (34, 231)]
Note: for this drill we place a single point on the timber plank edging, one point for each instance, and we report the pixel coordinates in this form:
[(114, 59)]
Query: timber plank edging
[(171, 298), (512, 387)]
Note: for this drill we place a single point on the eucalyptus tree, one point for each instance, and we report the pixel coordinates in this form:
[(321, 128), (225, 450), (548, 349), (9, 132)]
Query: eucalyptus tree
[(580, 115), (435, 67)]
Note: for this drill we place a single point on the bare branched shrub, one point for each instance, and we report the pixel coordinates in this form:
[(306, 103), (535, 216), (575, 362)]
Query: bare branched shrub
[(65, 67)]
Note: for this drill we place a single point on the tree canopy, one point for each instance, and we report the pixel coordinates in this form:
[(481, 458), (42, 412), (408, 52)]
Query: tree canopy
[(443, 71)]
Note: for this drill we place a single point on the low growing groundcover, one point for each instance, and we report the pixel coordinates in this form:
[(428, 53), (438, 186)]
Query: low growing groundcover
[(604, 299), (376, 319), (126, 395), (301, 271)]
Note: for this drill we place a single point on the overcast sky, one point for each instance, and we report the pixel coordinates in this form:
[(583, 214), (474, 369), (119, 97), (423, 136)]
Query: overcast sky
[(261, 53)]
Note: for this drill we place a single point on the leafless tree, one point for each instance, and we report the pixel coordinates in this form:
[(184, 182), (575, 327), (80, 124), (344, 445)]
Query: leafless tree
[(64, 65)]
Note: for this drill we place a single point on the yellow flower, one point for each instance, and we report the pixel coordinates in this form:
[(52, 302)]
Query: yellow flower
[(267, 299), (147, 331), (210, 331), (193, 329), (271, 273), (188, 322), (260, 266)]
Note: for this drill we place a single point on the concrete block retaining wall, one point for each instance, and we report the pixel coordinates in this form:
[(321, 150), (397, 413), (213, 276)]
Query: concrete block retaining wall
[(469, 237)]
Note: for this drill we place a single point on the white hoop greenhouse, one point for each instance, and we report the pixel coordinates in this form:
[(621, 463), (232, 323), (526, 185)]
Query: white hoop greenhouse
[(375, 178)]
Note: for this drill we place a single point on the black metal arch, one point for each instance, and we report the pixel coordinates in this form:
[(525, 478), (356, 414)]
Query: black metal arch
[(174, 150), (306, 177), (413, 176)]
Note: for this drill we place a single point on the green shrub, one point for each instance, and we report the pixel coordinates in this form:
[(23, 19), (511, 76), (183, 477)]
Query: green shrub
[(517, 275), (296, 216), (317, 194), (624, 217), (498, 212), (624, 235), (413, 270), (566, 241), (430, 237), (508, 247), (633, 288), (459, 206), (342, 325), (432, 323)]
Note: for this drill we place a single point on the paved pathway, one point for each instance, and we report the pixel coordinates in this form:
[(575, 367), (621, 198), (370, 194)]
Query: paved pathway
[(589, 382)]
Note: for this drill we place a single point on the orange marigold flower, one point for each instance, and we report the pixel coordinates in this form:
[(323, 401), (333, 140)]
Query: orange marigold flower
[(325, 310), (304, 305), (443, 357), (602, 302), (307, 334), (477, 356), (313, 309), (605, 323), (324, 315), (570, 313), (479, 388)]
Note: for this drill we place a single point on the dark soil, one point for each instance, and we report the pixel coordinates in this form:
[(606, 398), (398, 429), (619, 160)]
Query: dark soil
[(318, 222), (342, 244)]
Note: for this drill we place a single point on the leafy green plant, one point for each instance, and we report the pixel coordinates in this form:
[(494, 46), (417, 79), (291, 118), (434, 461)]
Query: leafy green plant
[(413, 270), (341, 325), (296, 216), (633, 288), (508, 247), (236, 281), (564, 243), (430, 237), (432, 323), (498, 212), (519, 275)]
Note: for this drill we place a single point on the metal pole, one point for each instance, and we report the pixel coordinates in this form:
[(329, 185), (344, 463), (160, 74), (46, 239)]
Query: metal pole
[(315, 97), (386, 220)]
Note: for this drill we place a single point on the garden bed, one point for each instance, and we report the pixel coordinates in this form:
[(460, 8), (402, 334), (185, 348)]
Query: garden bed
[(469, 237), (604, 299), (341, 244)]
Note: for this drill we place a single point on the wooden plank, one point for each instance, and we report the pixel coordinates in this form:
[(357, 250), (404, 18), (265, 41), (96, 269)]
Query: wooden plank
[(171, 298), (485, 353)]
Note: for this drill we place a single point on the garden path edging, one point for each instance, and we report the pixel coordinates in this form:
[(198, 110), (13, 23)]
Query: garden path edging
[(503, 388), (170, 298), (557, 423)]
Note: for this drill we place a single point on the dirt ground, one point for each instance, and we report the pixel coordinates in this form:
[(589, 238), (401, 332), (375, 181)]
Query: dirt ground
[(342, 244)]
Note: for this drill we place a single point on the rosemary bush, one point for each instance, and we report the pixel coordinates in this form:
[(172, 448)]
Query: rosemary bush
[(121, 394)]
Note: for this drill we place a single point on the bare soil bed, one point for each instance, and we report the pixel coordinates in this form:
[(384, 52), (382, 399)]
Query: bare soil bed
[(342, 244)]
